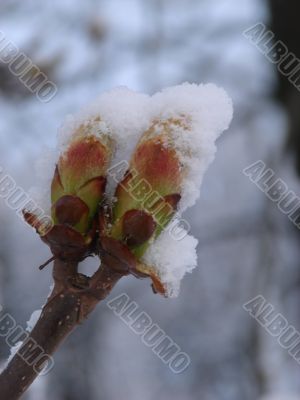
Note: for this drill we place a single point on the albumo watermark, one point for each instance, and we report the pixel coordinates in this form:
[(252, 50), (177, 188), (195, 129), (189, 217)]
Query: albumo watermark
[(275, 324), (18, 200), (151, 334), (29, 74), (142, 192), (17, 338), (275, 189), (288, 64)]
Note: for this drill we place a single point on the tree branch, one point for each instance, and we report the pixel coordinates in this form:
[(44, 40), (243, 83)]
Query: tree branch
[(73, 298)]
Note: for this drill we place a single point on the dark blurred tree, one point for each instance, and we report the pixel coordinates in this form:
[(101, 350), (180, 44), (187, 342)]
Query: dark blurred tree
[(285, 25)]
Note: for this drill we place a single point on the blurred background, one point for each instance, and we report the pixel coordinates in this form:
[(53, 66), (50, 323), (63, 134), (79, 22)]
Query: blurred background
[(246, 246)]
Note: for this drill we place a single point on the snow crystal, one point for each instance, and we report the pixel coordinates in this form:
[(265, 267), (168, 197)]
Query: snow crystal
[(33, 320), (30, 324), (92, 126), (172, 259), (13, 352), (50, 290)]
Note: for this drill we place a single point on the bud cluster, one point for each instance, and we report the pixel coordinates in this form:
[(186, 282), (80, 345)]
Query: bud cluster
[(171, 139)]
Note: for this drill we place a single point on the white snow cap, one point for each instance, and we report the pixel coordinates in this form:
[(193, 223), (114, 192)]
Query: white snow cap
[(126, 115), (209, 110)]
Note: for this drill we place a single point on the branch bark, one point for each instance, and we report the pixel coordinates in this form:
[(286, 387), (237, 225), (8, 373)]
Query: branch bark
[(73, 298)]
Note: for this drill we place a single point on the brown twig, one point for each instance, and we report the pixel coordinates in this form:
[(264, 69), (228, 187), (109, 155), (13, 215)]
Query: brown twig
[(73, 298)]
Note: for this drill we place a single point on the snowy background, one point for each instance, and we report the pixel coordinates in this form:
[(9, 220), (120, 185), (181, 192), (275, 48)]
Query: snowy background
[(246, 247)]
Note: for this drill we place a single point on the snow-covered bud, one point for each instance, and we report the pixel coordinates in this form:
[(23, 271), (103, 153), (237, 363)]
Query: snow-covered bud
[(164, 176), (147, 197), (79, 181), (77, 190)]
